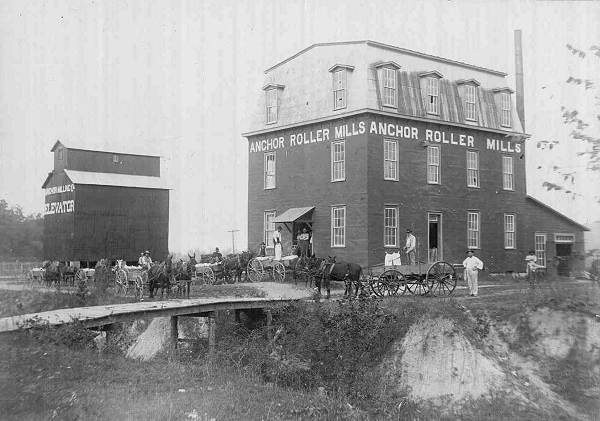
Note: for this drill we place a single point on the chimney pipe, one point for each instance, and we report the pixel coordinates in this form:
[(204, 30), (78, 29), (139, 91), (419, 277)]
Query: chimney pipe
[(519, 77)]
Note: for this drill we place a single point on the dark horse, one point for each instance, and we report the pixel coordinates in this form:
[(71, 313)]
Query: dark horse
[(339, 271), (158, 277), (235, 264), (181, 275)]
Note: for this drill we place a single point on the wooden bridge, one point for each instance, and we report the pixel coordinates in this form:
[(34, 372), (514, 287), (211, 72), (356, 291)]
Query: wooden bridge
[(105, 316)]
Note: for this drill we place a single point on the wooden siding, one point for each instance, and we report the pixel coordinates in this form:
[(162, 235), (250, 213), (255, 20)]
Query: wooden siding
[(99, 161)]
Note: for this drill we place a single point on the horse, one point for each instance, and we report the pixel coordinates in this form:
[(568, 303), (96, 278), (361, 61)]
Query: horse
[(181, 275), (52, 274), (235, 264), (158, 277), (339, 271), (310, 267)]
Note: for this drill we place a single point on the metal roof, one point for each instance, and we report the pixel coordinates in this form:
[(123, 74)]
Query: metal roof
[(292, 214), (104, 146), (557, 213), (113, 179)]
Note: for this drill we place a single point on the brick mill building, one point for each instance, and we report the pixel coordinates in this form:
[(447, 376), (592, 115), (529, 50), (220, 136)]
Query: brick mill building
[(102, 204), (361, 140)]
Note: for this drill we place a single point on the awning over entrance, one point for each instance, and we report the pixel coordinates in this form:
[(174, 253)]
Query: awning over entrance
[(294, 214)]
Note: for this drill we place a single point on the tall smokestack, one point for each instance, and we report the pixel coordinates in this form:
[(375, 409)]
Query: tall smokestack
[(519, 77)]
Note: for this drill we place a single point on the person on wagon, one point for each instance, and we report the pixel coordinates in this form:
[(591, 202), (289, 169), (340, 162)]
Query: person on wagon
[(277, 243), (217, 256), (145, 261), (409, 248)]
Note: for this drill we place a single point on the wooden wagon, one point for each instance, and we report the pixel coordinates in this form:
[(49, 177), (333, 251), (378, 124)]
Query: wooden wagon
[(263, 268), (129, 280), (437, 279)]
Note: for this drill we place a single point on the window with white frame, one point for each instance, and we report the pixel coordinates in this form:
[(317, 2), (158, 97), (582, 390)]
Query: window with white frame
[(540, 248), (473, 232), (270, 167), (470, 100), (338, 226), (433, 164), (505, 100), (433, 94), (390, 159), (271, 99), (389, 86), (507, 173), (509, 231), (472, 169), (390, 226), (339, 89), (269, 228), (338, 160)]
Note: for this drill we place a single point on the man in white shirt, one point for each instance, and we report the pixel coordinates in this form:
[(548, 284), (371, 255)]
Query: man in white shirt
[(277, 243), (472, 267), (409, 248)]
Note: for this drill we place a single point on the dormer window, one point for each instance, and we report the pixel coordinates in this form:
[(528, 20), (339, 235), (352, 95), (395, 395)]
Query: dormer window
[(468, 91), (432, 91), (272, 102), (339, 74), (388, 74), (503, 102)]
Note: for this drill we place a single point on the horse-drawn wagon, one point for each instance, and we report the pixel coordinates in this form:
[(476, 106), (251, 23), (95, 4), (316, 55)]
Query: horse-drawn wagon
[(129, 279), (438, 279)]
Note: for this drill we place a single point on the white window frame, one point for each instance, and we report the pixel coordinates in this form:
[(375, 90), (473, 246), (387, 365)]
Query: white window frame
[(505, 103), (340, 81), (433, 95), (510, 231), (267, 232), (433, 165), (272, 109), (390, 226), (473, 229), (389, 76), (473, 169), (115, 159), (270, 174), (338, 232), (539, 242), (391, 159), (338, 162), (564, 238), (508, 173), (470, 101)]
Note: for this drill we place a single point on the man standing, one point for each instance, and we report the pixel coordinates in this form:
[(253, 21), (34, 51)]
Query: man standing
[(145, 261), (472, 267), (277, 243), (303, 241), (409, 248)]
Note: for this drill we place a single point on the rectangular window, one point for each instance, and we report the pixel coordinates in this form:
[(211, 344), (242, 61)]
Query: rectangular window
[(433, 92), (470, 95), (564, 238), (115, 159), (271, 97), (505, 99), (270, 170), (540, 249), (338, 161), (507, 173), (473, 232), (339, 89), (390, 160), (338, 226), (433, 164), (472, 169), (59, 154), (269, 226), (390, 226), (509, 231), (389, 87)]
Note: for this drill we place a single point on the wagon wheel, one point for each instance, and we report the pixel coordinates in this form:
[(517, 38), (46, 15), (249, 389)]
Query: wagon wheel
[(441, 278), (391, 282), (208, 276), (121, 281), (278, 272), (416, 284), (255, 270)]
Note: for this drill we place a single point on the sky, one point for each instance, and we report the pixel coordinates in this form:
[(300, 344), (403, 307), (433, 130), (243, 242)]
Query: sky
[(174, 78)]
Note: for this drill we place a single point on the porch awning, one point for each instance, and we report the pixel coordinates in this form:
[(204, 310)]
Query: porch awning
[(293, 214)]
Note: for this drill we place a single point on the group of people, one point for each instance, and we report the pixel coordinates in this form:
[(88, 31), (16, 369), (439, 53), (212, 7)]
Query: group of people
[(303, 239), (392, 257)]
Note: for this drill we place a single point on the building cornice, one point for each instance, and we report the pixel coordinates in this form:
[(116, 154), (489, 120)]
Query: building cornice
[(341, 66), (387, 114)]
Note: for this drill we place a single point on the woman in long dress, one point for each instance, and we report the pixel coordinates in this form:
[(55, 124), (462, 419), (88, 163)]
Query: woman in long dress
[(277, 243)]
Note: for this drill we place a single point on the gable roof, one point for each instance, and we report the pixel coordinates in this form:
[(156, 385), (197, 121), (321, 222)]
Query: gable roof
[(393, 48), (106, 147), (557, 213)]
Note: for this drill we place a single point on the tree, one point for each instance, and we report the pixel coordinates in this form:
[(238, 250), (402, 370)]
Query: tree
[(20, 235), (580, 125)]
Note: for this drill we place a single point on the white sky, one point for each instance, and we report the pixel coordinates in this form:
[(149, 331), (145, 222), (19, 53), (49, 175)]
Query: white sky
[(175, 78)]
